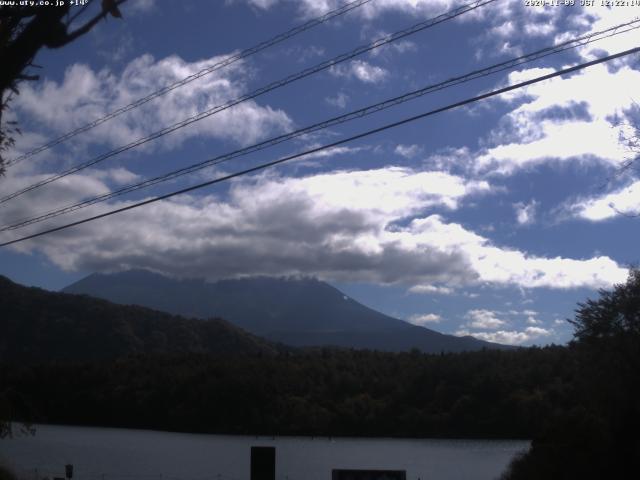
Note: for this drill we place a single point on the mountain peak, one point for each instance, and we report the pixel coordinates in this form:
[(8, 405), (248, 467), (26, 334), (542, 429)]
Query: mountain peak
[(300, 311)]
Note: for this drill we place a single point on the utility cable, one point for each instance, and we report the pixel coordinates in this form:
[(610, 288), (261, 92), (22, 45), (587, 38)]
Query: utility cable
[(328, 146), (205, 71), (261, 91), (509, 64)]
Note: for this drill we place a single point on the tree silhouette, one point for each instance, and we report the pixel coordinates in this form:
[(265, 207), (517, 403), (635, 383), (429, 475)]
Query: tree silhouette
[(629, 138), (613, 316), (24, 30), (597, 437)]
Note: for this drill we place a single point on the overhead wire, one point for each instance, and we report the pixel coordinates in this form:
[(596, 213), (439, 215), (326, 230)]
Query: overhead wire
[(359, 113), (205, 71), (272, 86), (367, 133)]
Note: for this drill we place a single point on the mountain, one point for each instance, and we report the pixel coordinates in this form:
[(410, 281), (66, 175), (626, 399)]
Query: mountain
[(298, 312), (37, 325)]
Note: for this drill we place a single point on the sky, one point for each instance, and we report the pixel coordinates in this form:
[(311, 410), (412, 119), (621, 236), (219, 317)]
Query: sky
[(491, 220)]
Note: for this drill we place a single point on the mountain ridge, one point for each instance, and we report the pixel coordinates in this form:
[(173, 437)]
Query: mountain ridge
[(296, 311), (38, 325)]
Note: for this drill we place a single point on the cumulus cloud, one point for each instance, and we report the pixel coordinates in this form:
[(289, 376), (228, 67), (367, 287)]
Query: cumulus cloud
[(371, 226), (361, 70), (510, 337), (86, 94), (561, 120), (312, 8), (595, 18), (390, 50), (511, 25), (67, 190), (527, 313), (625, 201), (432, 289), (335, 225), (263, 4), (531, 320), (504, 266), (525, 212), (424, 319), (141, 5), (506, 29), (339, 100), (329, 152), (484, 319), (415, 8), (408, 151), (496, 329)]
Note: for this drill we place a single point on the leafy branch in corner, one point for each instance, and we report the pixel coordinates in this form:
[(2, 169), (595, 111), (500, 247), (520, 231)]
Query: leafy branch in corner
[(24, 30)]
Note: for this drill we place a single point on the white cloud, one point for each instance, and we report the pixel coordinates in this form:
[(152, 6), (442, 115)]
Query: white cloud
[(389, 50), (140, 5), (369, 225), (505, 266), (508, 48), (562, 119), (510, 25), (305, 53), (334, 225), (339, 100), (539, 29), (313, 8), (115, 176), (408, 151), (263, 4), (531, 320), (415, 8), (510, 337), (505, 29), (525, 212), (484, 319), (625, 201), (432, 289), (86, 94), (596, 18), (424, 319), (399, 46), (363, 71), (329, 152), (449, 159), (67, 190)]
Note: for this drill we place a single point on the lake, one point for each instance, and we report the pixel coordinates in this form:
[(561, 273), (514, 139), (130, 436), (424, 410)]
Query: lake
[(121, 454)]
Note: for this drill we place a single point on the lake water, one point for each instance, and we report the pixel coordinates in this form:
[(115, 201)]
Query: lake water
[(119, 454)]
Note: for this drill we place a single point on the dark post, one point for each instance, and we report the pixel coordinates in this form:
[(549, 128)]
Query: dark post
[(263, 463), (338, 474), (68, 471)]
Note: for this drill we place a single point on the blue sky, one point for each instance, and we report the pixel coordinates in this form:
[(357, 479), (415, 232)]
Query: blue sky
[(490, 220)]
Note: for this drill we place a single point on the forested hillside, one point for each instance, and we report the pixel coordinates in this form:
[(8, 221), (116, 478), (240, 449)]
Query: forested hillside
[(578, 402), (43, 326), (327, 392), (595, 436)]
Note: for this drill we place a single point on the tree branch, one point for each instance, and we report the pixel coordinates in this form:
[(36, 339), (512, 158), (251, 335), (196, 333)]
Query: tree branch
[(90, 24)]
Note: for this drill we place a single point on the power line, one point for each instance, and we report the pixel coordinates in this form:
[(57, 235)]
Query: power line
[(205, 71), (330, 145), (272, 86), (567, 45)]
